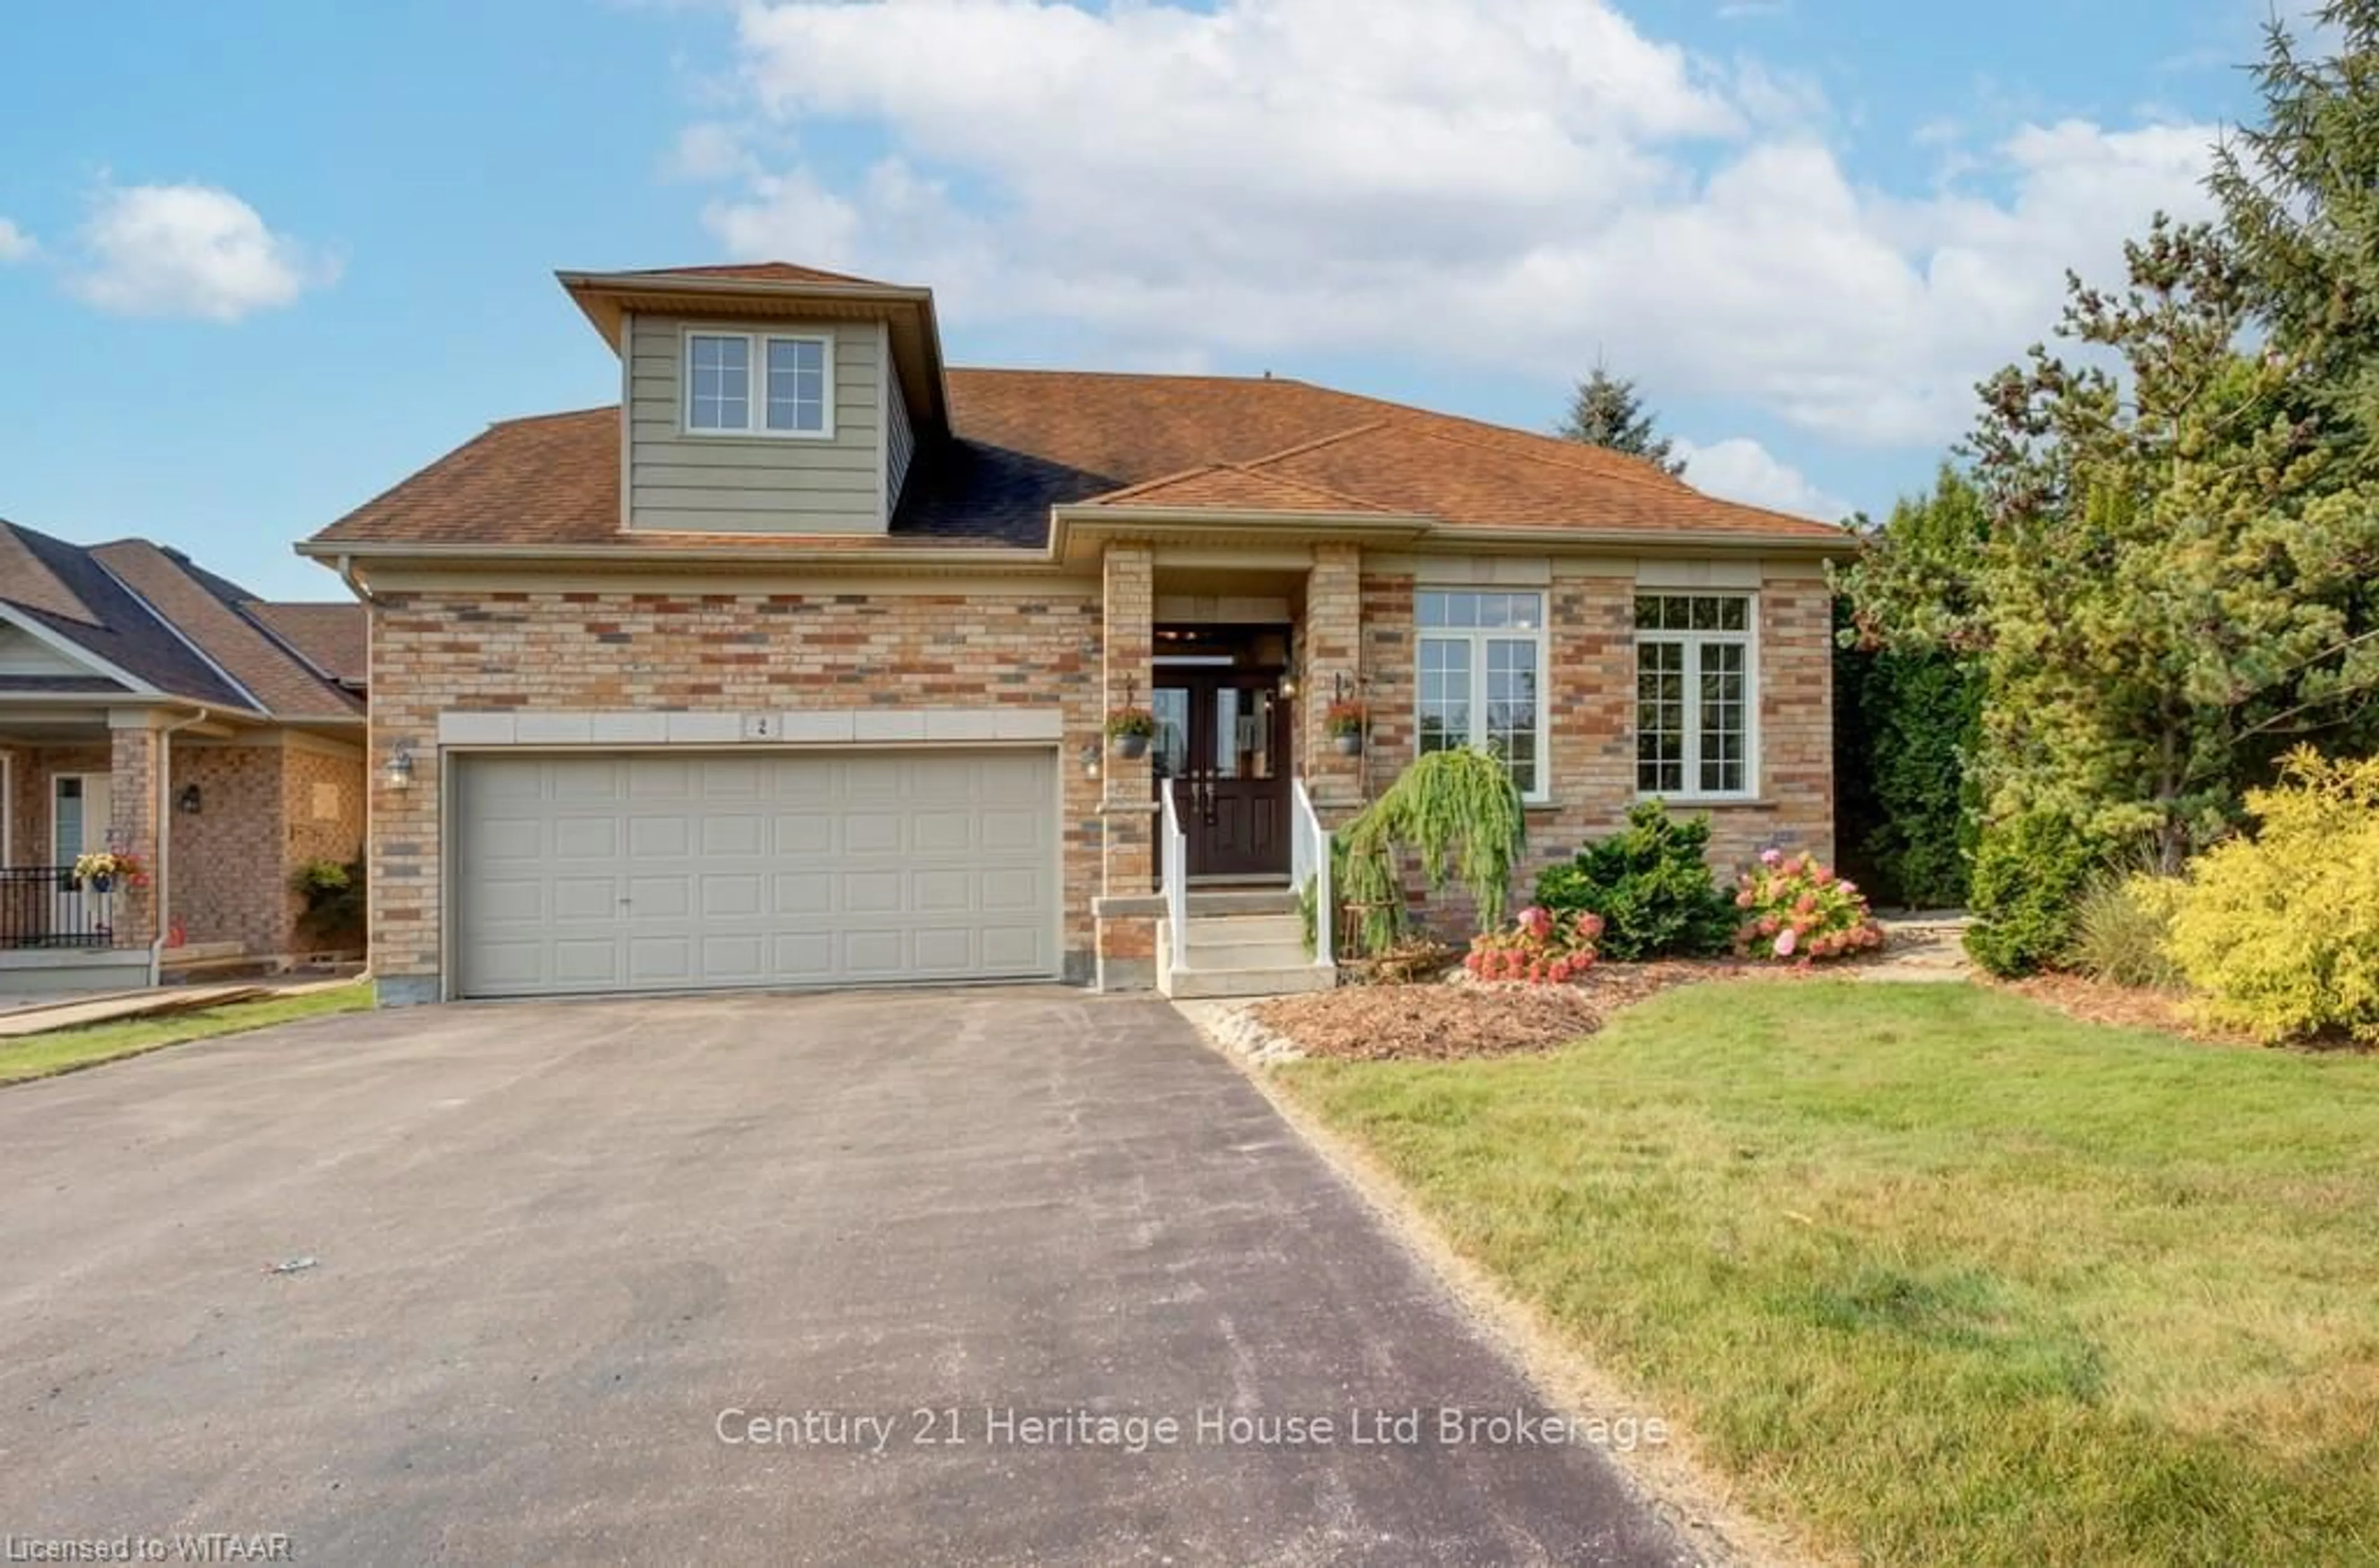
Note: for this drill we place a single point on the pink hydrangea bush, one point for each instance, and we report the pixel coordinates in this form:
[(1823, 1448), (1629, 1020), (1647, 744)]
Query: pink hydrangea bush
[(1795, 908), (1542, 948)]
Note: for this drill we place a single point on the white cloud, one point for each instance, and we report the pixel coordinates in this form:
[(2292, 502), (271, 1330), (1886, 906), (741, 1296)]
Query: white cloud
[(1516, 183), (1741, 470), (192, 250), (15, 245)]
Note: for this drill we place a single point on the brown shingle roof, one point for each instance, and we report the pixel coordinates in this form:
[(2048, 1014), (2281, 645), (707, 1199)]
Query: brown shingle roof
[(333, 638), (1024, 441), (757, 272), (1231, 487), (26, 580), (196, 605)]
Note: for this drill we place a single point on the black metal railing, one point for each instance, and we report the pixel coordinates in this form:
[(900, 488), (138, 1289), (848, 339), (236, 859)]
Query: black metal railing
[(43, 905)]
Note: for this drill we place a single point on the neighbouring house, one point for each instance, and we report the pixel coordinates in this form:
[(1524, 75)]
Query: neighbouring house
[(151, 709), (794, 666)]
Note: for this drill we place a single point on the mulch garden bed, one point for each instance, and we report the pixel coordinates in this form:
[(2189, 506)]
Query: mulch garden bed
[(1445, 1022), (2124, 1006)]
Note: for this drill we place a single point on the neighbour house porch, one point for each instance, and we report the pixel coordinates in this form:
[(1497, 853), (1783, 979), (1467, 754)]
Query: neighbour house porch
[(200, 808)]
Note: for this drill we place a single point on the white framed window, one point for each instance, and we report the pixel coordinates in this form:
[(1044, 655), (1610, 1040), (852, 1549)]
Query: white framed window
[(1696, 698), (759, 384), (1481, 680)]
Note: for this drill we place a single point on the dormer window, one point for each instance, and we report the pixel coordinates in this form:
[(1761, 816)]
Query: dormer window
[(759, 384)]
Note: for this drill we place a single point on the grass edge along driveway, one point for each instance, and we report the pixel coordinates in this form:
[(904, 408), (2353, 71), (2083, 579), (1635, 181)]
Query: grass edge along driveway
[(54, 1051), (1933, 1273)]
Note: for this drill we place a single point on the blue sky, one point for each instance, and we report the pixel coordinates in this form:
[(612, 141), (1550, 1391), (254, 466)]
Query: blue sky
[(260, 262)]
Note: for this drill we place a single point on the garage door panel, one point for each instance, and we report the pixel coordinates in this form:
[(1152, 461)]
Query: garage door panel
[(944, 949), (728, 894), (585, 897), (875, 955), (804, 834), (804, 958), (732, 833), (874, 833), (1014, 949), (580, 838), (730, 961), (754, 869), (587, 964), (942, 832), (579, 782), (873, 892), (661, 960), (940, 892), (803, 892), (659, 838), (658, 778), (1021, 888)]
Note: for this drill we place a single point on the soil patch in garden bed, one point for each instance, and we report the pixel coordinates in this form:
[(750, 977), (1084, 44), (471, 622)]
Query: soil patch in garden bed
[(1452, 1021)]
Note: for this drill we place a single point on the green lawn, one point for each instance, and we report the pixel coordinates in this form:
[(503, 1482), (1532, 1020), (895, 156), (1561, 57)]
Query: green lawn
[(63, 1050), (1937, 1275)]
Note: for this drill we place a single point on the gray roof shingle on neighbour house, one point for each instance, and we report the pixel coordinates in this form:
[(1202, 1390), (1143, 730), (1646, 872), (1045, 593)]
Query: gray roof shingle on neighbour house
[(165, 622)]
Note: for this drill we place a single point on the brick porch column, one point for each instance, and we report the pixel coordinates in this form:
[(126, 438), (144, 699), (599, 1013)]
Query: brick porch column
[(1126, 946), (136, 754), (1334, 630)]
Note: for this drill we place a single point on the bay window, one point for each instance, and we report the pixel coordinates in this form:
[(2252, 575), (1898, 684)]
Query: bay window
[(1695, 694), (1481, 678)]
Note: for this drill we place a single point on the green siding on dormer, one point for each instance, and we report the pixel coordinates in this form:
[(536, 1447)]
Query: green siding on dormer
[(753, 484)]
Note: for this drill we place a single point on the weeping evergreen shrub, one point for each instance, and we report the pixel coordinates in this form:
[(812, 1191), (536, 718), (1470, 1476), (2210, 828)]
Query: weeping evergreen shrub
[(1458, 814)]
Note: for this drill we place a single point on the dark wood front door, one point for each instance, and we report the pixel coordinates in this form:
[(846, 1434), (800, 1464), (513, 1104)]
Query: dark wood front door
[(1222, 736)]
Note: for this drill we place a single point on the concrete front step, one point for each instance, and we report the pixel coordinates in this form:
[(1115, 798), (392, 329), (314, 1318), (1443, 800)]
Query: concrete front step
[(1238, 931), (1247, 955), (1186, 983)]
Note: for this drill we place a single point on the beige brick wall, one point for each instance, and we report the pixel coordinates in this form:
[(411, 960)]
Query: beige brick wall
[(322, 818), (716, 653), (226, 881), (1592, 659)]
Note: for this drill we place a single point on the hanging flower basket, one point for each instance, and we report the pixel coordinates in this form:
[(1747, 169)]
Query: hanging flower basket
[(1346, 721), (1131, 728), (103, 869)]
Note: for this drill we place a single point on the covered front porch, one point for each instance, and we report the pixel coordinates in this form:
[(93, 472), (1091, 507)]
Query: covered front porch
[(77, 783), (1237, 653)]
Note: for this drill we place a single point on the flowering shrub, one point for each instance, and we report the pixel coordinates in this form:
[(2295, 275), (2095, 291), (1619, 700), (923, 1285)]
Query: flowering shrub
[(1795, 907), (1542, 948)]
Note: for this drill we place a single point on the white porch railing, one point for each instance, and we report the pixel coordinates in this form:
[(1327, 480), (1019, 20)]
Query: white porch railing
[(1308, 861), (1177, 881)]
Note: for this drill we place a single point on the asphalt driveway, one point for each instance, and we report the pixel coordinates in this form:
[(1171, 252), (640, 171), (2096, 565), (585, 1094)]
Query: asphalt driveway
[(568, 1255)]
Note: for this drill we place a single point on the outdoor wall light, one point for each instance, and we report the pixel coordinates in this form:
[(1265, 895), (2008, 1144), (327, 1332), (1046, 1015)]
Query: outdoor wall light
[(1289, 687), (190, 802), (1091, 761), (398, 774)]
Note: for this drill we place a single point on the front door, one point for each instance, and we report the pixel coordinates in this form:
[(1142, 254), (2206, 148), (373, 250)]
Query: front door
[(1223, 738), (79, 818)]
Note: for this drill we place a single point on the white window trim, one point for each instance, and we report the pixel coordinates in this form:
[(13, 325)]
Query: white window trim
[(755, 361), (1478, 637), (1748, 640)]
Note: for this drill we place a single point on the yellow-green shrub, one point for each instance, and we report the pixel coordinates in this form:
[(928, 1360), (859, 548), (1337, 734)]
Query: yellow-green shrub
[(2280, 931)]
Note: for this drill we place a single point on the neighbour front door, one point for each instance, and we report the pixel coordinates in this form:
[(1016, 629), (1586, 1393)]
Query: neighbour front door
[(80, 814), (1222, 737)]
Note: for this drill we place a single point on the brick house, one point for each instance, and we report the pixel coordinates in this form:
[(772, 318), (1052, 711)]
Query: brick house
[(151, 708), (793, 667)]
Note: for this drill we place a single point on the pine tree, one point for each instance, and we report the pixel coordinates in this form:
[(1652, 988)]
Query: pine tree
[(2299, 195), (1606, 411)]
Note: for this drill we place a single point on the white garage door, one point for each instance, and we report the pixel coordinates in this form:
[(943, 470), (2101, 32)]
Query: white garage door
[(663, 873)]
